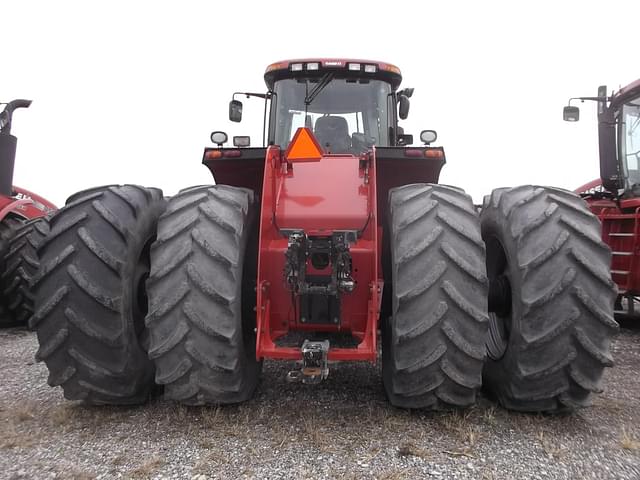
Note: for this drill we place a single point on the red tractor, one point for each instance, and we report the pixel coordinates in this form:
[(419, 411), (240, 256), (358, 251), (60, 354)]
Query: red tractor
[(615, 197), (22, 226), (330, 242)]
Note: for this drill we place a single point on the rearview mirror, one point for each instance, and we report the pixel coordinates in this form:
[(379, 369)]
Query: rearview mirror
[(571, 114), (428, 136), (235, 110), (403, 110), (602, 93)]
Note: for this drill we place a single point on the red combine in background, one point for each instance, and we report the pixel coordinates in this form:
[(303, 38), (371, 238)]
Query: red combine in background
[(23, 224), (615, 196)]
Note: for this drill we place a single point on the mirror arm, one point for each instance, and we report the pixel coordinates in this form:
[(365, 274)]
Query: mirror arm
[(250, 94), (594, 99)]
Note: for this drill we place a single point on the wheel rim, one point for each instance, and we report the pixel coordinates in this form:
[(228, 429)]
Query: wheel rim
[(500, 299)]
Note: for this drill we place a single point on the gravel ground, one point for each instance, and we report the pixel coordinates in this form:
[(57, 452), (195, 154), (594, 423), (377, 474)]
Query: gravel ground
[(343, 428)]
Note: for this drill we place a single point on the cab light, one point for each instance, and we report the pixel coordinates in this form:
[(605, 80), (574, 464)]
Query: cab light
[(434, 153), (296, 67), (411, 152), (276, 66), (313, 66), (354, 67), (390, 68), (370, 68)]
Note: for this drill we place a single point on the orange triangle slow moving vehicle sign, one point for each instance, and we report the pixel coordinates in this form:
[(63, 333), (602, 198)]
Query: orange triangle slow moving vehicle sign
[(303, 147)]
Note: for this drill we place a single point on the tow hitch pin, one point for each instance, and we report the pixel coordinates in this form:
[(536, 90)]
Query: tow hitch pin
[(315, 366)]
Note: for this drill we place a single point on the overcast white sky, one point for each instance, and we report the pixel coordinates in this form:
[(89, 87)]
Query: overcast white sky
[(128, 92)]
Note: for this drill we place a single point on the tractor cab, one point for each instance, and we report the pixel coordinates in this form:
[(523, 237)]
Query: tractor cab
[(628, 114), (619, 140), (348, 105)]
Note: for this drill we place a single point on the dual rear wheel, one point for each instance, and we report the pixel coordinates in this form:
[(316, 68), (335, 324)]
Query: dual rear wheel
[(549, 299), (136, 291)]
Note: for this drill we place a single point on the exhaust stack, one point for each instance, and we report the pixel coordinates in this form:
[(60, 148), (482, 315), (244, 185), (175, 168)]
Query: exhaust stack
[(8, 144)]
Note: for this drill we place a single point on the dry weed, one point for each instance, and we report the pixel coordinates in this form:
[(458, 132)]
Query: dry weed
[(409, 449), (396, 474), (23, 411), (61, 415), (552, 451), (628, 441), (147, 469), (12, 438)]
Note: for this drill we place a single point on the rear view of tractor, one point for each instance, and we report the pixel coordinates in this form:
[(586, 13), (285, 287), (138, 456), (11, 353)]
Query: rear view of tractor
[(615, 197), (330, 242), (23, 224)]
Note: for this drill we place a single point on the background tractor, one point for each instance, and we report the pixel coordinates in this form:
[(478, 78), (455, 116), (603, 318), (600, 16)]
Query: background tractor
[(329, 242), (615, 196), (23, 224)]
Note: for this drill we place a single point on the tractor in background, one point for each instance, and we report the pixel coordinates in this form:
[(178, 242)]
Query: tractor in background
[(330, 242), (23, 223), (615, 196)]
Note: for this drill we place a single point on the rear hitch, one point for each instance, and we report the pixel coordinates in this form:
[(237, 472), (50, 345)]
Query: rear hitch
[(315, 366)]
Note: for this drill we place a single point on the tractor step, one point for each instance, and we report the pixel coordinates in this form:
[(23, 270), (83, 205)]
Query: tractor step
[(315, 366)]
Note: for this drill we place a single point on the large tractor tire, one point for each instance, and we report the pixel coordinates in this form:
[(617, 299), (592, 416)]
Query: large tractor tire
[(19, 264), (90, 297), (433, 345), (551, 299), (87, 192), (8, 228), (201, 297), (6, 318)]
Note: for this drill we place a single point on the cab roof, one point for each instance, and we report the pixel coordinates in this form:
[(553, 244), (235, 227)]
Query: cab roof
[(625, 93), (347, 66)]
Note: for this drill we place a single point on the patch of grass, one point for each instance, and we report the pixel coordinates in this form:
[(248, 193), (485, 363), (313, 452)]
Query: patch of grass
[(209, 463), (489, 416), (23, 411), (463, 427), (411, 450), (628, 441), (552, 451), (312, 433), (61, 415), (396, 474), (471, 435), (74, 473), (212, 417), (205, 444), (17, 441), (147, 469), (488, 474), (12, 438)]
